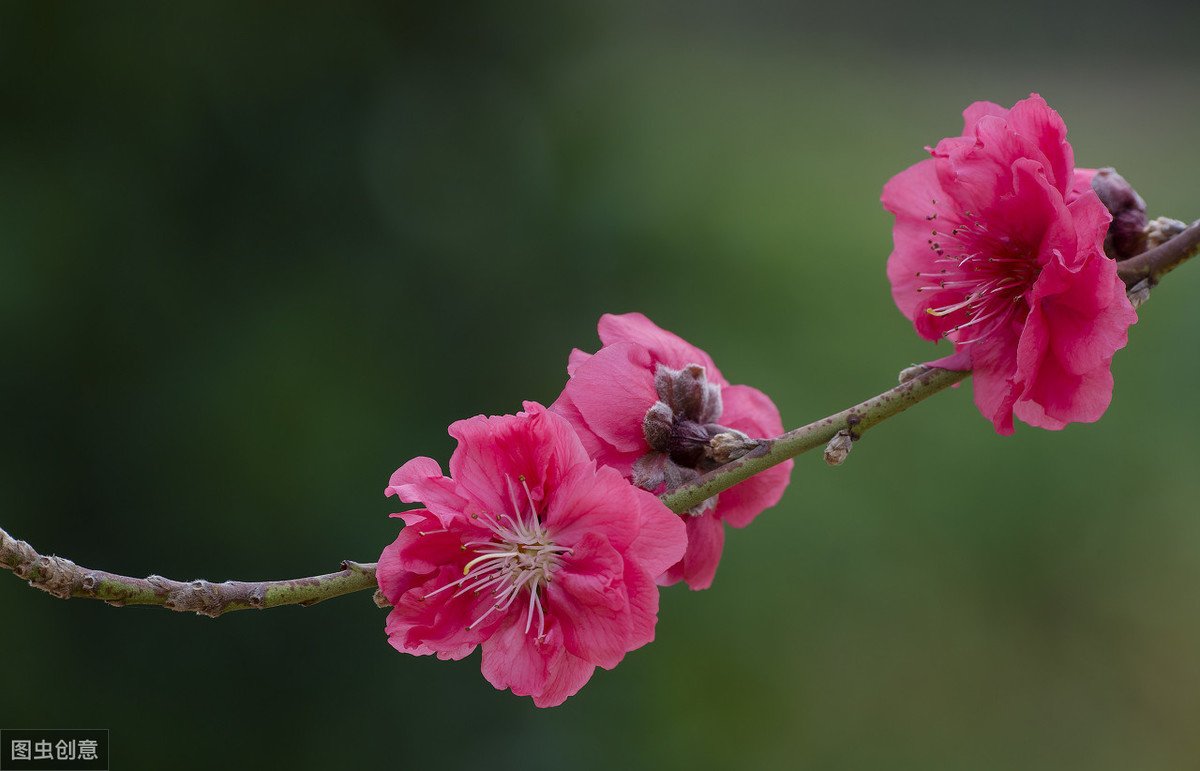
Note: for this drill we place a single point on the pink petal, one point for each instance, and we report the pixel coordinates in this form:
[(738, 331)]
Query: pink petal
[(994, 361), (514, 659), (567, 674), (494, 453), (740, 504), (588, 598), (662, 538), (913, 196), (575, 360), (706, 539), (421, 480), (977, 111), (612, 392), (593, 500), (750, 411), (592, 444), (421, 625), (1044, 129), (664, 346), (643, 606), (422, 546)]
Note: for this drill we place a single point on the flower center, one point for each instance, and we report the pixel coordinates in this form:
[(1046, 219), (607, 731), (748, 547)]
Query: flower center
[(518, 560), (982, 283)]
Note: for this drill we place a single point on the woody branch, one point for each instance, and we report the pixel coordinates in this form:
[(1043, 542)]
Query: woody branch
[(63, 578)]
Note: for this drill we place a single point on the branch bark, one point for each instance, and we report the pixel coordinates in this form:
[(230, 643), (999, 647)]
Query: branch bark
[(63, 578)]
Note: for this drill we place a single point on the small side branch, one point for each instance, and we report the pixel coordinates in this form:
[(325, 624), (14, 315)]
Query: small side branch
[(63, 578)]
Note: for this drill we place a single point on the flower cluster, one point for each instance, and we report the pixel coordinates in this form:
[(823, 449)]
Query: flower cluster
[(999, 248), (546, 544), (658, 410)]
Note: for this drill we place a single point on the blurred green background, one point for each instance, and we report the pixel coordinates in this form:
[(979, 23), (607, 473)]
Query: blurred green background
[(253, 257)]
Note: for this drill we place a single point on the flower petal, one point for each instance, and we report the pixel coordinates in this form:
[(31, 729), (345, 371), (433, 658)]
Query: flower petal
[(706, 539)]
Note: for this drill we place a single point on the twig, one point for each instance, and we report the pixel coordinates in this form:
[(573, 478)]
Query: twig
[(63, 578), (856, 419)]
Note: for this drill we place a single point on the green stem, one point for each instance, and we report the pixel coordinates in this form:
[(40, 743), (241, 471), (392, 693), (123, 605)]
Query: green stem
[(63, 578), (771, 452)]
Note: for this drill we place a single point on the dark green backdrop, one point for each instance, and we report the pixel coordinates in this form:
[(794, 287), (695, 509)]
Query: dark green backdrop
[(254, 257)]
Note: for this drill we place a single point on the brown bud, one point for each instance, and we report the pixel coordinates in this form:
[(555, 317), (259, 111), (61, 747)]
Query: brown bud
[(1139, 293), (729, 444), (838, 448), (656, 425), (688, 393), (687, 443), (1126, 233), (1161, 230)]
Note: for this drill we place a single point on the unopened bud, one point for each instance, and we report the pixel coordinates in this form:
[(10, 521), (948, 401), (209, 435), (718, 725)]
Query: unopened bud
[(838, 448), (915, 371), (729, 445), (1139, 293), (1161, 230), (1126, 233), (656, 425)]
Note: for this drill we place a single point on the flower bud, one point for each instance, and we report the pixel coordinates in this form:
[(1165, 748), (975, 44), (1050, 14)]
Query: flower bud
[(728, 445), (1161, 230), (656, 425), (1126, 234), (838, 448), (1139, 293), (687, 443)]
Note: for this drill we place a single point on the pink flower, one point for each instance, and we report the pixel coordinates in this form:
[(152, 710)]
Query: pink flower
[(657, 409), (999, 249), (529, 551)]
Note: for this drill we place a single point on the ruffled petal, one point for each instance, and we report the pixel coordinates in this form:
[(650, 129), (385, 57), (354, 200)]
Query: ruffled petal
[(662, 345), (916, 197), (421, 480), (706, 540), (589, 599), (612, 393)]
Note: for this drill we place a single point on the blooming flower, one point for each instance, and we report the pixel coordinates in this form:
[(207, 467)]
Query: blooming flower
[(529, 551), (657, 409), (999, 249)]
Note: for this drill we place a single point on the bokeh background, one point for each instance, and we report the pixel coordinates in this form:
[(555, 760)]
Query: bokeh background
[(253, 257)]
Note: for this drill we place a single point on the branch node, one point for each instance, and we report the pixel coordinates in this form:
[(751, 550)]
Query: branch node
[(54, 575)]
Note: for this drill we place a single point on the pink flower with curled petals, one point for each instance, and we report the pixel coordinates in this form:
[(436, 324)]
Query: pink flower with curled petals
[(657, 409), (528, 551), (999, 249)]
